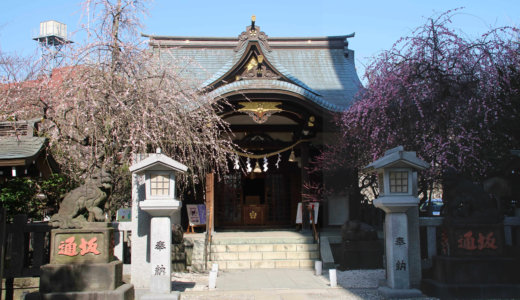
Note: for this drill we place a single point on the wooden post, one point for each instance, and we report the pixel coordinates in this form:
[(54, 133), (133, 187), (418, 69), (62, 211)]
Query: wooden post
[(210, 197), (18, 246), (2, 246), (304, 152), (209, 216)]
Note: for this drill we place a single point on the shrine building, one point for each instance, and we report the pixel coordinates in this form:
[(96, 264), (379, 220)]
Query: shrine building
[(284, 92)]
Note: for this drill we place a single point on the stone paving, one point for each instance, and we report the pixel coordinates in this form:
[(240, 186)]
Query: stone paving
[(282, 284)]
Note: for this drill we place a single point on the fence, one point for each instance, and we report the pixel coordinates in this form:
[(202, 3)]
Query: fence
[(429, 236), (25, 248)]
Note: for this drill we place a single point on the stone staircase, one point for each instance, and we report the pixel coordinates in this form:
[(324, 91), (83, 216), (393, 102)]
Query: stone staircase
[(255, 250)]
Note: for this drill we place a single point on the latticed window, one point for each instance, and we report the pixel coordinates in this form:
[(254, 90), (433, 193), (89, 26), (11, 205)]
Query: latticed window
[(399, 182), (159, 185)]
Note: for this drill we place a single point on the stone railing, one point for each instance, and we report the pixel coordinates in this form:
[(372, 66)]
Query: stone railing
[(121, 235), (432, 223)]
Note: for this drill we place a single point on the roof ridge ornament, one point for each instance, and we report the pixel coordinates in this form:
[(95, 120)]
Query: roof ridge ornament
[(253, 33)]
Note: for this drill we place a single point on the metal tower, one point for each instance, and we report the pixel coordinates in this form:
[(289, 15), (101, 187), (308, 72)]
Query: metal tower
[(52, 38)]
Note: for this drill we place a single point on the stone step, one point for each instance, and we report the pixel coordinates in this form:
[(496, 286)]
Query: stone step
[(269, 247), (252, 250), (261, 240), (265, 264), (220, 256)]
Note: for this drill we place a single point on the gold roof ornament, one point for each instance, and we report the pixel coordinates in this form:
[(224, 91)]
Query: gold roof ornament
[(260, 111), (253, 19)]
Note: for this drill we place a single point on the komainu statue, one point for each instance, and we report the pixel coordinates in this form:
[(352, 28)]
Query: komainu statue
[(465, 201), (86, 199)]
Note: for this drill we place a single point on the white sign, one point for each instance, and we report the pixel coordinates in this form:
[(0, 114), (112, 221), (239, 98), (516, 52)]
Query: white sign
[(315, 208), (196, 214)]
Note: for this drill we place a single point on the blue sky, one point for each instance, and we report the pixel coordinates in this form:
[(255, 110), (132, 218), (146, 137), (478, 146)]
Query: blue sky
[(377, 24)]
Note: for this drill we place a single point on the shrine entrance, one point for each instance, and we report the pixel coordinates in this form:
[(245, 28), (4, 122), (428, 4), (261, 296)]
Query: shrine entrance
[(258, 200)]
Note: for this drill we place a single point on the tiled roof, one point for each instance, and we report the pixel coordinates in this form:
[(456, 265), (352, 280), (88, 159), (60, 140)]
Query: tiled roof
[(23, 147), (324, 72)]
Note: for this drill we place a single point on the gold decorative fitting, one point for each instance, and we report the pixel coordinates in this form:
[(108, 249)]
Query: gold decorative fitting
[(252, 215), (260, 111)]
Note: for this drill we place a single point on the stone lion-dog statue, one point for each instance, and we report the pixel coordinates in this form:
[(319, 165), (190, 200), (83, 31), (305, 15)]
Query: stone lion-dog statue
[(86, 199)]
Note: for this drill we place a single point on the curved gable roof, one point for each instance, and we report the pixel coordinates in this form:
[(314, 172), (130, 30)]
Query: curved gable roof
[(320, 68)]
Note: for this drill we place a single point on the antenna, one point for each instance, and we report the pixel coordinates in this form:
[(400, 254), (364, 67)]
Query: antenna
[(52, 38)]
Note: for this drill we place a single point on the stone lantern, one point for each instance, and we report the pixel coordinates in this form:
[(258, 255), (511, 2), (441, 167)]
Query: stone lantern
[(397, 180), (159, 204)]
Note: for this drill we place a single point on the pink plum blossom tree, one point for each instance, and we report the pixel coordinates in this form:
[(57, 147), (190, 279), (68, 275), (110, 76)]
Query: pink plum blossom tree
[(453, 99)]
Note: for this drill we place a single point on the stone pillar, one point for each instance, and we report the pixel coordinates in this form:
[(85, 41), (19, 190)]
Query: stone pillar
[(414, 248), (396, 244), (140, 231), (160, 249)]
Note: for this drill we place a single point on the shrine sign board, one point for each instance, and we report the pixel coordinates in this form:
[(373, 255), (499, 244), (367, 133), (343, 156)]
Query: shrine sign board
[(86, 245), (196, 214)]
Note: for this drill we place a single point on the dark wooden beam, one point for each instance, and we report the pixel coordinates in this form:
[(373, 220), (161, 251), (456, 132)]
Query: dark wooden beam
[(265, 128)]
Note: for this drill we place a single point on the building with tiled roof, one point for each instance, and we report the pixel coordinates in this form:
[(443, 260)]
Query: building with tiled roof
[(22, 153), (283, 93)]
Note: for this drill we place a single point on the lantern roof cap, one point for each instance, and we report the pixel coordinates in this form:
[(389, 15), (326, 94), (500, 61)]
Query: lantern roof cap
[(158, 161), (398, 158)]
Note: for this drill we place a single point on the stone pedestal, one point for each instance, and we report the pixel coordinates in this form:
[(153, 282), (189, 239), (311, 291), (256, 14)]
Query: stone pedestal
[(473, 277), (81, 277), (82, 266), (473, 264)]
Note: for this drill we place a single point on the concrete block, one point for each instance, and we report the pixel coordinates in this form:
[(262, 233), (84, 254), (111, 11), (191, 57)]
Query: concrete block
[(287, 264), (262, 248), (224, 256), (218, 248), (307, 263), (274, 255), (239, 264), (326, 253), (298, 255), (231, 248), (262, 264), (249, 255), (307, 247), (243, 248), (285, 247)]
